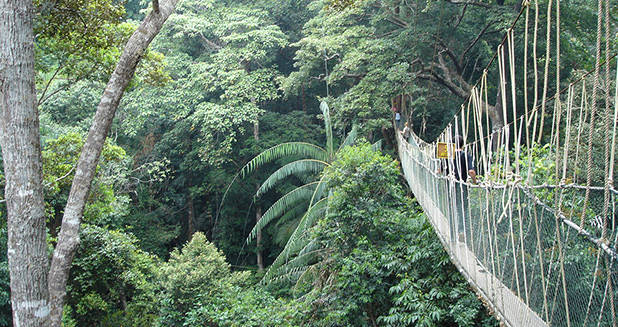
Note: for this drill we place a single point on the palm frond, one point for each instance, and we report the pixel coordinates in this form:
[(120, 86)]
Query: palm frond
[(284, 203), (294, 167), (309, 273), (328, 127), (298, 240), (350, 138), (285, 150), (297, 212), (314, 212), (227, 189), (319, 191), (304, 259), (298, 264), (291, 275)]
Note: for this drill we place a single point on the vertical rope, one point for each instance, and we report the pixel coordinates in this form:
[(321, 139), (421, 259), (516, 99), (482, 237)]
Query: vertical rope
[(545, 78), (612, 159), (541, 260), (595, 89), (521, 244), (511, 49), (527, 122), (567, 131), (558, 117), (536, 71), (557, 94), (592, 289), (608, 178), (583, 116)]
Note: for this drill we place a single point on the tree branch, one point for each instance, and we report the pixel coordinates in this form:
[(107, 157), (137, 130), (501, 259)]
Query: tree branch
[(478, 37), (463, 13), (48, 84), (473, 3), (210, 43), (397, 21)]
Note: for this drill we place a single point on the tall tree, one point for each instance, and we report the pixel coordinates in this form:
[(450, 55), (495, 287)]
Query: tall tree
[(21, 154), (38, 294)]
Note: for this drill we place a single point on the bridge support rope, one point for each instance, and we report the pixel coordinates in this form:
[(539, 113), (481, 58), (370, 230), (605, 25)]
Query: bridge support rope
[(510, 308)]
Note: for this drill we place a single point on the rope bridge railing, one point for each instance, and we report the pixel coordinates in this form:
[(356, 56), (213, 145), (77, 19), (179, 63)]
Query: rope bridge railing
[(537, 236)]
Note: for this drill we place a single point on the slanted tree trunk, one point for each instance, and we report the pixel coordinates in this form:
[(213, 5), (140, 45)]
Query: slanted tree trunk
[(68, 238), (21, 153)]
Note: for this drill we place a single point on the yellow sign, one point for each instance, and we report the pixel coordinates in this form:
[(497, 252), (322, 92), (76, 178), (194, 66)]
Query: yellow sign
[(442, 150)]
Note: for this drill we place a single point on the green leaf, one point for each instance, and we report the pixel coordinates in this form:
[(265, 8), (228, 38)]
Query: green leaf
[(328, 127), (350, 138), (293, 168), (285, 150), (285, 203), (297, 241)]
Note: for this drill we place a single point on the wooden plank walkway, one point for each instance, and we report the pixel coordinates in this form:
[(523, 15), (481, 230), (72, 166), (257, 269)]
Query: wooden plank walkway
[(509, 308)]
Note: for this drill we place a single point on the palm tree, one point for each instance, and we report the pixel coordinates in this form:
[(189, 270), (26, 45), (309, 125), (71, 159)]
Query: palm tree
[(312, 195)]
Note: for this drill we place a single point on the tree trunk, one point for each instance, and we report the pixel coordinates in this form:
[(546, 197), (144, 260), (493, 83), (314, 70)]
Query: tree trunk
[(387, 137), (303, 98), (496, 120), (21, 153), (68, 238), (496, 113), (190, 218), (258, 210), (258, 239)]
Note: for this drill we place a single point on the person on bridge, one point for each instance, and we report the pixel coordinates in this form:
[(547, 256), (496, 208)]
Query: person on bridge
[(406, 132), (462, 166), (463, 162), (397, 117)]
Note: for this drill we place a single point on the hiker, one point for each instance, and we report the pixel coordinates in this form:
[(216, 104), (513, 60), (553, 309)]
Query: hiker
[(462, 165), (462, 162), (406, 132), (397, 117)]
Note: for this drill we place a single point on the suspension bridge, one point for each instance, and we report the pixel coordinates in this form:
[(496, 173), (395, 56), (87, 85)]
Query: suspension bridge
[(536, 236)]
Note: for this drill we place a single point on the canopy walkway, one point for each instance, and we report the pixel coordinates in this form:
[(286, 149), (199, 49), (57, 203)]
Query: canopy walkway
[(536, 236)]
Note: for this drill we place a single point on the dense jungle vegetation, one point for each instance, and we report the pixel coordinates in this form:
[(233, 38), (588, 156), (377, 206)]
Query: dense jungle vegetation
[(169, 235)]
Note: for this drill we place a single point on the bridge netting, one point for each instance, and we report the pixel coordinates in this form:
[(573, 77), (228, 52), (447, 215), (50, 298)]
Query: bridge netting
[(537, 235)]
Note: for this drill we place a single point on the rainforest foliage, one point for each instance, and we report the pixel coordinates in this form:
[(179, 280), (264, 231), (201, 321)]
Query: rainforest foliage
[(169, 235)]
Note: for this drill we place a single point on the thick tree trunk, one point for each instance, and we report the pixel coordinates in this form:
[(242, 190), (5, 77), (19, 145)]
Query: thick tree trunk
[(68, 238), (21, 153)]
